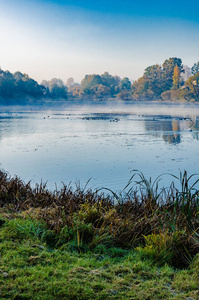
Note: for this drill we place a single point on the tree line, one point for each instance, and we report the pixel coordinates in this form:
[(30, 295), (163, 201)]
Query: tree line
[(170, 81)]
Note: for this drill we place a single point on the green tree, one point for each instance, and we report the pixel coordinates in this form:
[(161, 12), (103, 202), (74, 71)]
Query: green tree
[(155, 77), (154, 72), (89, 81), (168, 71), (15, 88), (111, 81), (98, 86), (150, 85), (125, 84), (55, 88), (195, 68)]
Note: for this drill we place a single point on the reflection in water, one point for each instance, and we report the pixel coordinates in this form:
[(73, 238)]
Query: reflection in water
[(173, 138), (169, 129), (195, 128), (105, 147)]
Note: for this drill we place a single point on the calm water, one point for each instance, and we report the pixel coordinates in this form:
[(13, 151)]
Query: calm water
[(103, 143)]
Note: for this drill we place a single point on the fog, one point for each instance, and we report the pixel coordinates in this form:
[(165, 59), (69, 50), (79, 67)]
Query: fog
[(121, 107), (111, 107), (144, 108)]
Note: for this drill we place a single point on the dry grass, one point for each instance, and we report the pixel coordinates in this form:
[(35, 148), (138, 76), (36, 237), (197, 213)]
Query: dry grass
[(83, 219)]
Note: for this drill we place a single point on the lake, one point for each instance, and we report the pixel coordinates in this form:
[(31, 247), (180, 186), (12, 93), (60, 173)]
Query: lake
[(100, 142)]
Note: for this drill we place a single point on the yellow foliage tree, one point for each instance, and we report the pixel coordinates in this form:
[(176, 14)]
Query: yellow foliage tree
[(176, 78)]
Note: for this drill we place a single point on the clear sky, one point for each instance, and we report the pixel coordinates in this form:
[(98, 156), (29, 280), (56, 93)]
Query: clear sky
[(46, 38)]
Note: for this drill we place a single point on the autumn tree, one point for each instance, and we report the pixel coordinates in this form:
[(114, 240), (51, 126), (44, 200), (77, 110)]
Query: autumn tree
[(150, 85), (157, 79), (193, 85), (176, 78), (76, 90), (101, 91)]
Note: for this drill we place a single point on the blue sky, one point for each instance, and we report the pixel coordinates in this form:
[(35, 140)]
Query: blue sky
[(61, 39)]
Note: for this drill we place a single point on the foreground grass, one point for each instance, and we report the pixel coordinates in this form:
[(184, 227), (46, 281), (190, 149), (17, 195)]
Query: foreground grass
[(83, 245), (29, 269)]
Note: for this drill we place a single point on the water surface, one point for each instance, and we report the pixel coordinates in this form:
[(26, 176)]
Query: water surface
[(101, 143)]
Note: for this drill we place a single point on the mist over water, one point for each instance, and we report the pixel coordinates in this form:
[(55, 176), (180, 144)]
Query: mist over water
[(111, 106), (145, 108), (103, 142)]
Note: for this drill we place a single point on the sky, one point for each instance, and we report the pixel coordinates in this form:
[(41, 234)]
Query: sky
[(61, 39)]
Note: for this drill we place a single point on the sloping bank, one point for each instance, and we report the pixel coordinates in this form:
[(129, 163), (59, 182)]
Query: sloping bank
[(80, 244)]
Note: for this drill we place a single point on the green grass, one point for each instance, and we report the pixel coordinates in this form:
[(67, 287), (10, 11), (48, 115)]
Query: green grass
[(140, 244), (29, 269)]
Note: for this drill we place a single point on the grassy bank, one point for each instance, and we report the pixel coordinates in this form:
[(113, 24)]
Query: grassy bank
[(80, 244)]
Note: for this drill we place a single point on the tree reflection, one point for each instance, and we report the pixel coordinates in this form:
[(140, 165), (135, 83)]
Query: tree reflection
[(174, 137), (195, 128), (170, 129)]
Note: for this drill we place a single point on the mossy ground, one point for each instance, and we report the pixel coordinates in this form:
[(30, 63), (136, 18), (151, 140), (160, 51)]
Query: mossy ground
[(31, 269)]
